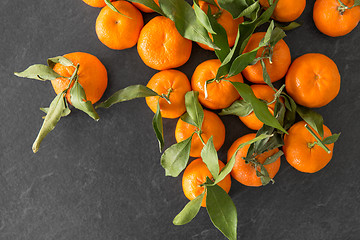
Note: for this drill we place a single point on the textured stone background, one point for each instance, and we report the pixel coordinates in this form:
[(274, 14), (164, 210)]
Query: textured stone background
[(102, 180)]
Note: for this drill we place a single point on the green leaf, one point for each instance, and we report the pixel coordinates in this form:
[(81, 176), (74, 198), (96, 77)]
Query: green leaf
[(66, 111), (53, 116), (245, 31), (279, 112), (229, 166), (190, 211), (176, 157), (276, 35), (60, 59), (271, 143), (251, 12), (39, 72), (273, 158), (150, 4), (265, 180), (268, 34), (241, 62), (220, 38), (186, 118), (356, 3), (289, 119), (185, 21), (239, 108), (193, 108), (260, 108), (289, 102), (288, 27), (331, 139), (158, 127), (222, 211), (314, 119), (126, 94), (112, 7), (203, 18), (266, 76), (210, 157), (79, 101), (238, 8)]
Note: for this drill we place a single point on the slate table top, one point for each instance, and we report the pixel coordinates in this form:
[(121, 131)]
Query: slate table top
[(102, 180)]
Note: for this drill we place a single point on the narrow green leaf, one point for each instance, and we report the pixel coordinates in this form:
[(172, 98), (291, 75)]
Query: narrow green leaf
[(289, 102), (193, 108), (245, 31), (222, 211), (241, 62), (273, 158), (66, 111), (356, 3), (210, 157), (239, 108), (39, 72), (176, 157), (268, 34), (112, 7), (203, 18), (150, 4), (265, 180), (60, 59), (158, 127), (289, 119), (266, 76), (53, 116), (126, 94), (186, 118), (189, 211), (220, 38), (79, 101), (288, 27), (271, 143), (185, 21), (332, 139), (238, 8), (260, 108), (229, 166), (276, 35), (314, 119)]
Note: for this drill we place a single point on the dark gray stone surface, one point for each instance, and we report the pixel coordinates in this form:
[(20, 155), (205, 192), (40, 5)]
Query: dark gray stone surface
[(102, 180)]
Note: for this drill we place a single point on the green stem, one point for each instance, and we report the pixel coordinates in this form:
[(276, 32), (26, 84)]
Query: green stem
[(167, 96), (201, 139), (318, 140)]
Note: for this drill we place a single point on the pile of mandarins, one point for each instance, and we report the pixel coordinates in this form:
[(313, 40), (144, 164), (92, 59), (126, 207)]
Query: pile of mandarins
[(311, 81)]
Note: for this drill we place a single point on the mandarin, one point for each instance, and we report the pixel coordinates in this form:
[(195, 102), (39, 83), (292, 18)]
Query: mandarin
[(245, 173), (225, 19), (335, 20), (92, 76), (212, 126), (281, 60), (263, 92), (301, 153), (221, 94), (195, 174), (173, 83), (313, 80), (96, 3), (117, 31), (161, 46), (286, 10)]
